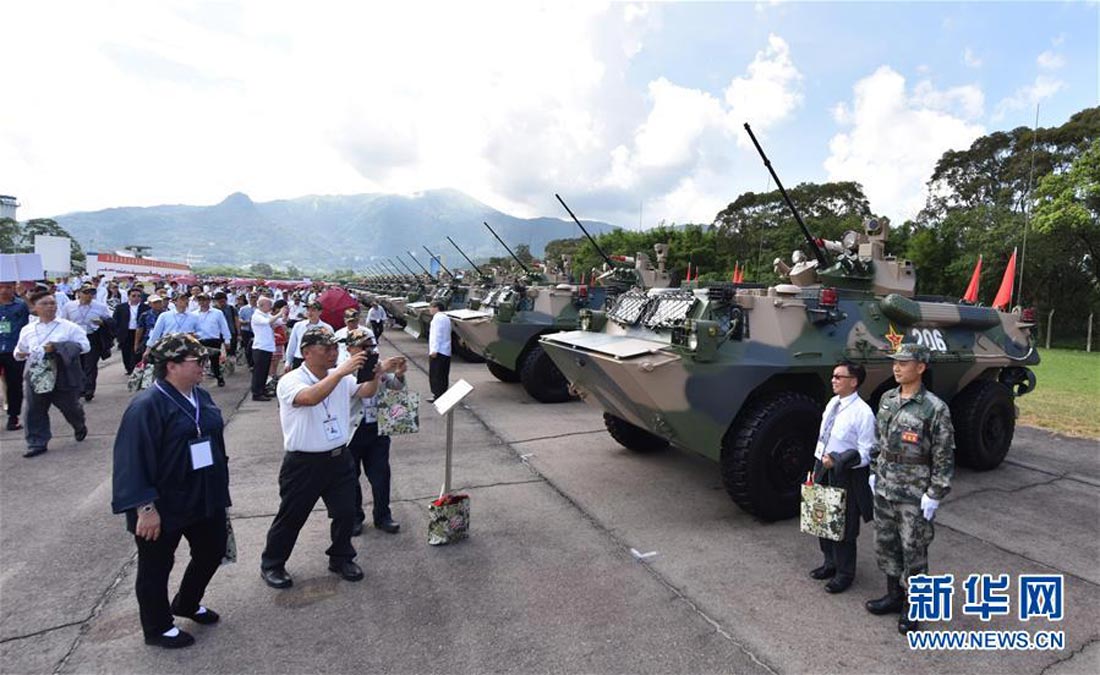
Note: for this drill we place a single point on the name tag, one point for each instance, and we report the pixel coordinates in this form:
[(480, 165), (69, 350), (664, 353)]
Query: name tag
[(910, 437), (5, 327), (202, 454), (332, 429)]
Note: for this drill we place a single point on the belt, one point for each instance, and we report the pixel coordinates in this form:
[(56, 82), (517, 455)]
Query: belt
[(902, 458), (323, 454)]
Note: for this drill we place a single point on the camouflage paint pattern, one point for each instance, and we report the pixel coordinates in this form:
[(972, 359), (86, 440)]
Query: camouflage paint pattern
[(902, 536), (823, 511), (919, 430)]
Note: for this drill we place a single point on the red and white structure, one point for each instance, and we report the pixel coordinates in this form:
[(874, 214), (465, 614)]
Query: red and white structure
[(114, 265)]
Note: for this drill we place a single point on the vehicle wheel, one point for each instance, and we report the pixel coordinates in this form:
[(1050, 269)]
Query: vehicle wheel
[(632, 437), (984, 417), (541, 378), (501, 373), (766, 454), (465, 353)]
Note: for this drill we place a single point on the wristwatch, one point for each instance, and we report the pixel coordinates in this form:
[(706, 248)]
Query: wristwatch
[(146, 508)]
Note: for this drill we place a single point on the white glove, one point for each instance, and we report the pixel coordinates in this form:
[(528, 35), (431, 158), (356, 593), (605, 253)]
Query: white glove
[(929, 506), (871, 482)]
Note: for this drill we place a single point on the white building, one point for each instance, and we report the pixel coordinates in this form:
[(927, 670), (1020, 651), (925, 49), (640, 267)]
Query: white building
[(8, 205), (113, 264)]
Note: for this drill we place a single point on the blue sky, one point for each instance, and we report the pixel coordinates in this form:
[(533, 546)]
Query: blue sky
[(617, 106)]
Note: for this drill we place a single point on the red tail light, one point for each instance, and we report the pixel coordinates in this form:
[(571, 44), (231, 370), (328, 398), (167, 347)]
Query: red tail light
[(1028, 315), (828, 297), (582, 291)]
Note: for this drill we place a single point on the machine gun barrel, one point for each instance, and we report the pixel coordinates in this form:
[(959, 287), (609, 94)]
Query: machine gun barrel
[(818, 253), (599, 250), (440, 261), (514, 256), (463, 254), (421, 265), (409, 271)]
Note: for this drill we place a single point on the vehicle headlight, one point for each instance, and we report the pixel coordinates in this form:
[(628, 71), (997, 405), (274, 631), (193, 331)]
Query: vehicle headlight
[(586, 320), (693, 341)]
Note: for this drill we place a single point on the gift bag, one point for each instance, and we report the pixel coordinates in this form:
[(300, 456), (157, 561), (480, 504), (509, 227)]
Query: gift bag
[(230, 555), (398, 412), (43, 376), (141, 378), (448, 519), (823, 510)]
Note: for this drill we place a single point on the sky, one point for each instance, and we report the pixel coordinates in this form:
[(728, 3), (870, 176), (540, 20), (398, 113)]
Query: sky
[(632, 112)]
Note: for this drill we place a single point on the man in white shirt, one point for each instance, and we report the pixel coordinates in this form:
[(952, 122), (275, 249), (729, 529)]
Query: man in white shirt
[(175, 320), (126, 326), (52, 344), (439, 350), (351, 324), (89, 314), (315, 413), (293, 357), (212, 330), (843, 455), (263, 344), (376, 316)]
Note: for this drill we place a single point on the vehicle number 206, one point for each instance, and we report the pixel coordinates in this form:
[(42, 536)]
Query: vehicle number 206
[(930, 337)]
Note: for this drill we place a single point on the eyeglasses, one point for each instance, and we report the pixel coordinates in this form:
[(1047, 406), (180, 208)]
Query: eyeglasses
[(844, 377), (201, 360)]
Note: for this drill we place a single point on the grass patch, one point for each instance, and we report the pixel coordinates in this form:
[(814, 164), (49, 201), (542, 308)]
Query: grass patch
[(1067, 393)]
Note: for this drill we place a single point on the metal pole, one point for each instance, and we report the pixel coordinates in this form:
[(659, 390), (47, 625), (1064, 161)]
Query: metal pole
[(1088, 340), (1027, 206), (450, 449), (1050, 323)]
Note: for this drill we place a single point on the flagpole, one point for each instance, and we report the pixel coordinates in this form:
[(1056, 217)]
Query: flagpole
[(1027, 206)]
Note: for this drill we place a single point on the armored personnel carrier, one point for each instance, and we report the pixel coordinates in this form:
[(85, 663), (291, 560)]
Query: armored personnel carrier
[(740, 373)]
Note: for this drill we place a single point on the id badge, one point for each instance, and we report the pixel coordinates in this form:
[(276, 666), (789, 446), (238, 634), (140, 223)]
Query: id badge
[(332, 430), (5, 326), (202, 454)]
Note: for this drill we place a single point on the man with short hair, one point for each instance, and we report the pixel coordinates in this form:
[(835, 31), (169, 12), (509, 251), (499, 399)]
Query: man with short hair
[(376, 316), (314, 411), (263, 345), (439, 350), (175, 320), (126, 327), (843, 453), (911, 473), (146, 321), (89, 314), (229, 310), (212, 331), (293, 357), (351, 324), (14, 314)]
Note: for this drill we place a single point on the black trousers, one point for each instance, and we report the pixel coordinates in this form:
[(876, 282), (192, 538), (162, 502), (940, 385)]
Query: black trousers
[(376, 327), (13, 381), (371, 454), (439, 374), (155, 561), (215, 358), (304, 478), (841, 555), (261, 363), (126, 348), (37, 420), (296, 362), (89, 363), (246, 344)]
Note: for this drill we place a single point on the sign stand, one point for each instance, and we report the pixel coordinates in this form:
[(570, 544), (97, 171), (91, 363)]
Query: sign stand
[(449, 516)]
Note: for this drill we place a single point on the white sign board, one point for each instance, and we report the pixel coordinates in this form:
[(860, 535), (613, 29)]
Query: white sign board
[(21, 267), (55, 252), (452, 396)]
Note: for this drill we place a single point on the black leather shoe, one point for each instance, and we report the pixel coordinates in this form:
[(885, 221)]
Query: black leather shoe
[(346, 569), (13, 423), (183, 639), (81, 433), (838, 585), (905, 624), (388, 526), (823, 572), (261, 398), (89, 397), (277, 577), (221, 382), (34, 452), (206, 618), (357, 529)]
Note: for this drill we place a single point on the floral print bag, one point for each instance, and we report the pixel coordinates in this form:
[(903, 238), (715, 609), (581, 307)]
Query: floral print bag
[(398, 412)]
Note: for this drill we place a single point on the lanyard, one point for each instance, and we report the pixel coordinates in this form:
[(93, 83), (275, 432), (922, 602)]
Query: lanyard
[(176, 320), (313, 381), (194, 401), (42, 340)]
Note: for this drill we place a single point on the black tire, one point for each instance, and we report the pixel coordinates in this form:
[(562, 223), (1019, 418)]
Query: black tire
[(984, 417), (501, 373), (766, 454), (459, 348), (632, 437), (541, 378)]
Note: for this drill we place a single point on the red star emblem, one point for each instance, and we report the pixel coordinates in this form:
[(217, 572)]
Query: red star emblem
[(894, 338)]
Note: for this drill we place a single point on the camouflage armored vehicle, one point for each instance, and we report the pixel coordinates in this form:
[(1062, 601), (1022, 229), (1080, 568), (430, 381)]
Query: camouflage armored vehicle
[(741, 373), (506, 327)]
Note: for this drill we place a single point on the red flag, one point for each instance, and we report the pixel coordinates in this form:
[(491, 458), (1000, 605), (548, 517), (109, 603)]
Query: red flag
[(1004, 295), (972, 290), (733, 277), (689, 271), (740, 274)]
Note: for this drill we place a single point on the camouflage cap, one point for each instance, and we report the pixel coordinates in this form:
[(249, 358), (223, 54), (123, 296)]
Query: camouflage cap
[(360, 338), (351, 313), (318, 336), (912, 352), (174, 346)]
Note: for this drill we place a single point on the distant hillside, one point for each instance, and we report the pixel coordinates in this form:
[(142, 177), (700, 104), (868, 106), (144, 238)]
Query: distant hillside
[(317, 232)]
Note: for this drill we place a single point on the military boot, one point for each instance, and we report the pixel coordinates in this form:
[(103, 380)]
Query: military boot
[(905, 624), (892, 602)]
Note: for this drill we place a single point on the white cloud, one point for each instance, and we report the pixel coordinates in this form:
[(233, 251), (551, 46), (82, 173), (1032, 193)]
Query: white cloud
[(1050, 60), (970, 59), (1028, 96), (896, 136), (770, 91)]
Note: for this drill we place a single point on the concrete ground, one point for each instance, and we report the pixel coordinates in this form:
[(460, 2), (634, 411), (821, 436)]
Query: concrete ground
[(547, 580)]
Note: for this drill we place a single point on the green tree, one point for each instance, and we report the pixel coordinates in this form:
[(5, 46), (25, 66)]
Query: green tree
[(50, 227), (10, 235), (1068, 206), (293, 272), (261, 269)]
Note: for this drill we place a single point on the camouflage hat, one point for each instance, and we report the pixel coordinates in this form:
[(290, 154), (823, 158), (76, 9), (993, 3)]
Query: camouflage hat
[(351, 313), (912, 352), (154, 298), (318, 336), (87, 288), (360, 338), (175, 345)]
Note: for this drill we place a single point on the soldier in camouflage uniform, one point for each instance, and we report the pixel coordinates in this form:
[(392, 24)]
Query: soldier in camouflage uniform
[(911, 471)]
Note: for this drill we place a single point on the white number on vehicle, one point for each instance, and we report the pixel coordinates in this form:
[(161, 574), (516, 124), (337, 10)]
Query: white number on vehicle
[(931, 338)]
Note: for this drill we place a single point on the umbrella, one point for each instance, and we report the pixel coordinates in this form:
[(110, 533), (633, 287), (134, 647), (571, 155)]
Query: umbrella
[(333, 302)]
